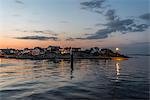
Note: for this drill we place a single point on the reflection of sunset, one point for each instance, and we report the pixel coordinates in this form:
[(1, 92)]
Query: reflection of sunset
[(119, 58), (14, 74), (18, 70), (24, 71)]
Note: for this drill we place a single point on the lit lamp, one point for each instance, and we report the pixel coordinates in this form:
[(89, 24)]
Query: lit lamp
[(117, 50)]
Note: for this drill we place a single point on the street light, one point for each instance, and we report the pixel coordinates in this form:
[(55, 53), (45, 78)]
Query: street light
[(117, 49)]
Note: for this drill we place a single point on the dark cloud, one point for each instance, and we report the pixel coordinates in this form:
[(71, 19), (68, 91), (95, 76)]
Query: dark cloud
[(48, 32), (36, 37), (19, 1), (80, 38), (100, 34), (145, 16), (70, 39), (111, 15), (114, 22), (122, 26), (94, 5)]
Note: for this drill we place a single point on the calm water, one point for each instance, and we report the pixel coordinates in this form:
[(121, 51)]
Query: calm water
[(87, 80)]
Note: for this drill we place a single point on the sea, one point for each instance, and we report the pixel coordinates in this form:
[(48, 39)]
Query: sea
[(87, 79)]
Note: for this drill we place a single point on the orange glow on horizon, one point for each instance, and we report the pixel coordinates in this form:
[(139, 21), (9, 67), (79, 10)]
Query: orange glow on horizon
[(20, 43)]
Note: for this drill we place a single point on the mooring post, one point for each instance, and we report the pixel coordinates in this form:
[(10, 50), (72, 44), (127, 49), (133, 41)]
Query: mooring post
[(71, 65), (71, 58)]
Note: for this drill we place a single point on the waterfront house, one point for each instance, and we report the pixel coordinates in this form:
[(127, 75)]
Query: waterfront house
[(66, 50), (53, 48), (95, 49), (76, 49), (37, 51), (7, 51), (107, 52), (12, 51), (26, 51)]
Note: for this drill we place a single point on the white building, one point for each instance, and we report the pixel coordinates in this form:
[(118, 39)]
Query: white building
[(26, 51), (35, 52)]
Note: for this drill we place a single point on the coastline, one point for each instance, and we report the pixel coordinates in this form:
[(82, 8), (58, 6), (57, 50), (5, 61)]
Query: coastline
[(64, 57), (56, 52)]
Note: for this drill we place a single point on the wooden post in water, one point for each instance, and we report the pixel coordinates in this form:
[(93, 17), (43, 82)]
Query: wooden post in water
[(71, 58), (71, 65)]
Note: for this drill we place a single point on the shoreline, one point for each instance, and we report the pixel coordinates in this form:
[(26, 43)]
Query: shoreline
[(67, 58)]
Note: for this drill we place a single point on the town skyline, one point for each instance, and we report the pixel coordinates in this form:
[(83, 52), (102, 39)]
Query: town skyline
[(56, 52)]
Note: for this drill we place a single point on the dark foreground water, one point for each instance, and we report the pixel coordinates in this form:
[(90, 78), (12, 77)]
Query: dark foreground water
[(87, 80)]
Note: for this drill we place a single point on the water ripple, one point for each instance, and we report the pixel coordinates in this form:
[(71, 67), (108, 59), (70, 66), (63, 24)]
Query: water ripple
[(87, 80)]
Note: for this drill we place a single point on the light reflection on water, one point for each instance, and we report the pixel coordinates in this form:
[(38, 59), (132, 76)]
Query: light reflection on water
[(87, 79), (117, 69)]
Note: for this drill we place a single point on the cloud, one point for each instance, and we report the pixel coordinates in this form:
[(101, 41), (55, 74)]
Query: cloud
[(48, 32), (123, 26), (78, 38), (111, 15), (145, 16), (114, 22), (94, 5), (100, 34), (120, 25), (70, 39), (19, 2), (36, 37)]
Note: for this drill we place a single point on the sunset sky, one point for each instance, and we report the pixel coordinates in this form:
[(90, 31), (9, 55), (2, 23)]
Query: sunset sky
[(78, 23)]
